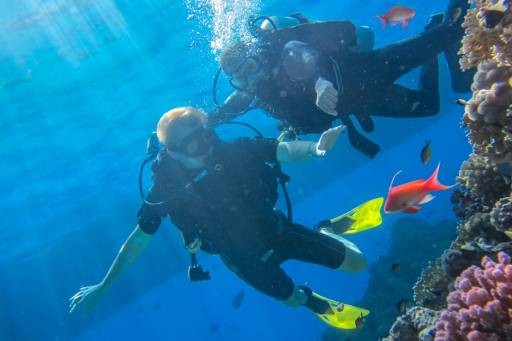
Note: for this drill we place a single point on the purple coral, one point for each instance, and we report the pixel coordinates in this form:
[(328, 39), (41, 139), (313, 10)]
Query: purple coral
[(480, 307)]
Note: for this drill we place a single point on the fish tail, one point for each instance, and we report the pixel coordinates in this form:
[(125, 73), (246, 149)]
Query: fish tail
[(433, 184), (383, 20)]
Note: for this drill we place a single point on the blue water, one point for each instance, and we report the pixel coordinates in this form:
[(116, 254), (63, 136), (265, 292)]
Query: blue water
[(82, 84)]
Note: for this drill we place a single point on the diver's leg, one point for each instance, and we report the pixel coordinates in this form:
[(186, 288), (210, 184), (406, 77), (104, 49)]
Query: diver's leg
[(393, 61), (311, 246), (400, 102), (265, 276), (269, 278), (358, 140)]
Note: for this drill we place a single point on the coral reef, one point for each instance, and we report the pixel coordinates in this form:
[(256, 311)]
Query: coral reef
[(501, 214), (480, 186), (482, 42), (387, 286), (488, 114), (487, 45), (483, 200), (416, 324), (480, 307)]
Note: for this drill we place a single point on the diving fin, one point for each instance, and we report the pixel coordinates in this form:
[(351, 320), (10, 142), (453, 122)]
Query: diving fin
[(343, 316), (364, 217), (358, 140)]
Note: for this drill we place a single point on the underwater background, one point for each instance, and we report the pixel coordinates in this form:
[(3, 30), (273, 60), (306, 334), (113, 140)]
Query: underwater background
[(82, 85)]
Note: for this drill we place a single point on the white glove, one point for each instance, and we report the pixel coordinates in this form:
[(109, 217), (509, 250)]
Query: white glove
[(326, 96), (328, 140)]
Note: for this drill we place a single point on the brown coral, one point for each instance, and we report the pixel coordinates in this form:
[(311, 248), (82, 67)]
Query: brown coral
[(480, 186), (501, 214)]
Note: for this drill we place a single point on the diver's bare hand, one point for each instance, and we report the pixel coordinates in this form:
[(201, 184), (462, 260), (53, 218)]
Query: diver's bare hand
[(328, 140), (326, 96), (86, 298)]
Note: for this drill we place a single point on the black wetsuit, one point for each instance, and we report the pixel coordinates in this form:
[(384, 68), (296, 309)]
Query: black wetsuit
[(230, 206), (365, 80)]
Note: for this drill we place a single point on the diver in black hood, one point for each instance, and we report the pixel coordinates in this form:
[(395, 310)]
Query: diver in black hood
[(311, 74)]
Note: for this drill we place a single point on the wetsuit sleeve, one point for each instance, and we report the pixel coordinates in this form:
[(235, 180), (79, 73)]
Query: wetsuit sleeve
[(150, 216), (303, 63), (263, 149), (236, 104)]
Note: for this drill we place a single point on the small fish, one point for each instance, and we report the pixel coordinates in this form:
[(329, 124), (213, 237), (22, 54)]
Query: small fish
[(238, 299), (426, 152), (461, 102), (157, 305), (397, 15), (402, 305), (140, 309), (406, 198), (214, 327), (491, 16), (395, 267)]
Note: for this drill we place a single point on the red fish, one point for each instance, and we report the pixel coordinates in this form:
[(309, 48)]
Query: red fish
[(397, 15), (406, 198)]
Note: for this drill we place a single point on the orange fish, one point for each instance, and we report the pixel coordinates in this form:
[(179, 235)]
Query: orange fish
[(406, 198), (397, 15)]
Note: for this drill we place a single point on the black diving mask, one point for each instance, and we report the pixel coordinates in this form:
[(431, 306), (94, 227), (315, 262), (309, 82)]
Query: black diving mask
[(195, 144), (245, 73)]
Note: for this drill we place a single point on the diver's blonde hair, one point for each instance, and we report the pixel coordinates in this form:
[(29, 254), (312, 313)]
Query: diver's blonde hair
[(178, 118)]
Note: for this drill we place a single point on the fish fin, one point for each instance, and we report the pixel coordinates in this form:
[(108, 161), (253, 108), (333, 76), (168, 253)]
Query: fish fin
[(383, 21), (393, 179), (412, 209), (432, 184), (405, 23), (426, 198)]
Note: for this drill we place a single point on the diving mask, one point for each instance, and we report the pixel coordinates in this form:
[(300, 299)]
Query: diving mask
[(195, 144), (245, 73)]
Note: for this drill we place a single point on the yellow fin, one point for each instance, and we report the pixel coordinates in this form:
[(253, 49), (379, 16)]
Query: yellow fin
[(344, 316), (365, 216)]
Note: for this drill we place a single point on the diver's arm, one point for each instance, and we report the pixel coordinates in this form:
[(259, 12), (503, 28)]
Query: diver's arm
[(235, 105), (297, 151), (130, 251), (88, 296)]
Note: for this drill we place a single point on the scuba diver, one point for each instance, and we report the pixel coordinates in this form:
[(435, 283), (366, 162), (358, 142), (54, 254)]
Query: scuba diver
[(221, 196), (308, 74)]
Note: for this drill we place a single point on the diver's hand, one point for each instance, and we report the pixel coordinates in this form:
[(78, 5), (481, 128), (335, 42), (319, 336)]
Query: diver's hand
[(328, 140), (194, 246), (326, 96), (86, 298)]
